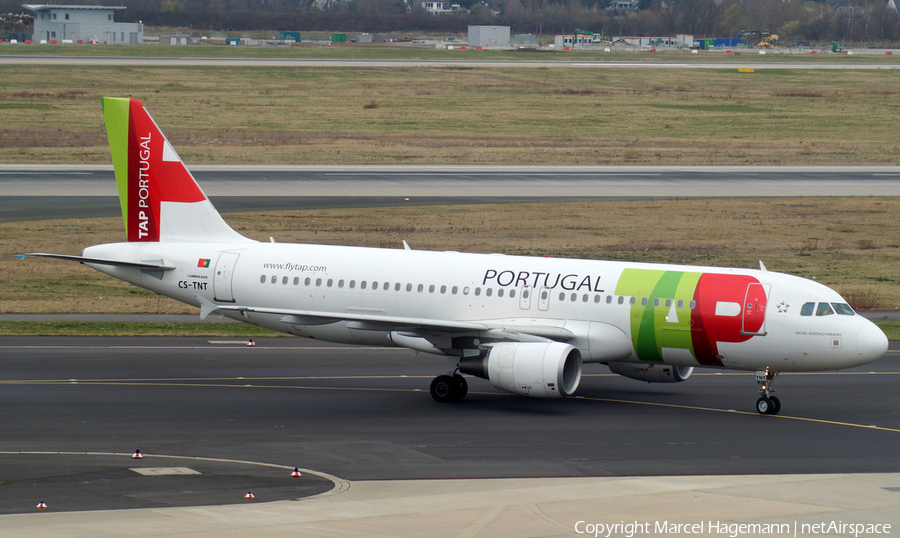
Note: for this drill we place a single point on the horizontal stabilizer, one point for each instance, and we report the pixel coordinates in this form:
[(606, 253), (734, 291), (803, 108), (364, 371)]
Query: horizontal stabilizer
[(100, 261)]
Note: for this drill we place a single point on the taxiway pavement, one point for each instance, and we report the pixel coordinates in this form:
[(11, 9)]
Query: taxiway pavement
[(42, 192), (74, 409)]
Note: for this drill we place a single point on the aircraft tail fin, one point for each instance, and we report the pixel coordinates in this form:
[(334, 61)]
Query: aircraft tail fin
[(160, 199)]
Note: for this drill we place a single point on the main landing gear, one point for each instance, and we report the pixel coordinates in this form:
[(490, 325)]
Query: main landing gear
[(767, 404), (449, 388)]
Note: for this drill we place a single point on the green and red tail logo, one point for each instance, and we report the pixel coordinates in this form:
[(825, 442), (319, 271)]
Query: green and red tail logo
[(148, 171)]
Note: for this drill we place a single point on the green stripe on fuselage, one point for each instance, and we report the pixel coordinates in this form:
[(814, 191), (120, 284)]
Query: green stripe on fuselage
[(656, 326)]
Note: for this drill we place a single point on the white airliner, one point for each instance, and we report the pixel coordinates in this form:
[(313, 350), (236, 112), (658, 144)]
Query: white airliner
[(525, 324)]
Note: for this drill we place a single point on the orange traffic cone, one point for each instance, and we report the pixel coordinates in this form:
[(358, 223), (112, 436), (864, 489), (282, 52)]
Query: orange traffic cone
[(296, 472), (250, 343), (137, 455), (42, 505), (249, 495)]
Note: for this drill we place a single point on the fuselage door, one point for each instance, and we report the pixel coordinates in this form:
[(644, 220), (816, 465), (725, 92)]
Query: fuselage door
[(222, 290), (754, 316)]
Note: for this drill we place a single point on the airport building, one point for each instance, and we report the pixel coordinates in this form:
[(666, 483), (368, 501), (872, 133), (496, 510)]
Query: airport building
[(489, 36), (83, 24)]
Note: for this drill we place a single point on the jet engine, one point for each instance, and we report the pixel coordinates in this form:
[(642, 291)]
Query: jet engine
[(539, 369), (651, 373)]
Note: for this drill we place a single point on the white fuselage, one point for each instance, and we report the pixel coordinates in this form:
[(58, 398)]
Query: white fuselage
[(613, 311)]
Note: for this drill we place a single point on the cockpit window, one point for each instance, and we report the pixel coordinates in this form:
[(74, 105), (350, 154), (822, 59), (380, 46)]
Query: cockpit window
[(807, 309), (843, 309), (824, 309)]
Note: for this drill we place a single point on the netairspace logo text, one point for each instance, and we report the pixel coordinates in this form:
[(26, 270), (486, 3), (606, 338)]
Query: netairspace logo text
[(732, 530)]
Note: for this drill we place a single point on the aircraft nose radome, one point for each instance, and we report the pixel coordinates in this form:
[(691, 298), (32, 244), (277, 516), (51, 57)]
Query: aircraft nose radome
[(871, 342)]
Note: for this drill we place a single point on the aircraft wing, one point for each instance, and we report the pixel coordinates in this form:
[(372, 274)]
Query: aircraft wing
[(380, 322)]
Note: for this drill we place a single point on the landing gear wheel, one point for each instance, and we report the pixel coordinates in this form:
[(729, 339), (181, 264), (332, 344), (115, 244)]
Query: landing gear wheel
[(447, 388), (765, 406), (442, 388), (460, 388)]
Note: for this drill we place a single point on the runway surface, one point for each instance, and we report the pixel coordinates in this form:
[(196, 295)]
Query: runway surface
[(42, 192), (363, 414)]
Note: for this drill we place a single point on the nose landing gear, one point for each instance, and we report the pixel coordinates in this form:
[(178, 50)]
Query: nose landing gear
[(767, 404)]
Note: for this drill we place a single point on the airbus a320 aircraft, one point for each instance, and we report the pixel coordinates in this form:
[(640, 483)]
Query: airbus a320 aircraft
[(525, 324)]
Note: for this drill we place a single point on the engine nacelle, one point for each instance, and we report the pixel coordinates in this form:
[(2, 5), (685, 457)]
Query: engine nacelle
[(539, 369), (651, 373)]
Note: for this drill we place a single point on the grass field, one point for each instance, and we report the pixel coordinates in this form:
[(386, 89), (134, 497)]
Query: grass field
[(460, 115)]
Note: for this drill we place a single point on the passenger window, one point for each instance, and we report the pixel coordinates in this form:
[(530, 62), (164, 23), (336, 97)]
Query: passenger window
[(632, 300), (397, 286), (352, 283), (843, 309), (656, 302), (362, 284), (262, 279), (562, 296), (466, 290), (512, 294), (500, 292), (489, 292), (477, 292), (431, 288), (525, 294), (274, 279), (574, 297), (824, 309), (386, 286), (284, 280), (596, 298), (420, 288), (609, 299), (454, 290), (296, 280), (330, 282), (409, 287), (644, 301), (584, 298), (692, 305), (375, 285), (443, 290), (341, 283), (306, 282), (680, 303), (318, 282)]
